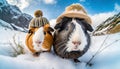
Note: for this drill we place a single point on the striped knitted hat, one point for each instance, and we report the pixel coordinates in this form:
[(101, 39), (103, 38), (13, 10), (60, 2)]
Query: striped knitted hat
[(38, 21)]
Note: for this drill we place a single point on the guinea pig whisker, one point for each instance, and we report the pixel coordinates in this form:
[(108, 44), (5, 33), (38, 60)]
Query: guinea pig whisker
[(61, 47)]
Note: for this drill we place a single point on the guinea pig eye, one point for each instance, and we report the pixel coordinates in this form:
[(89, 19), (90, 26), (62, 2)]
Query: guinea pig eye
[(44, 33), (67, 28)]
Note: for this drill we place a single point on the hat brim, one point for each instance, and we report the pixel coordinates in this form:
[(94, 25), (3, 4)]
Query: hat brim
[(73, 15)]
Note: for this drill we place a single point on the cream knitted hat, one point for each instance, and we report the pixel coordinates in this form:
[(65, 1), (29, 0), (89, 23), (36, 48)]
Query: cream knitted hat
[(75, 10)]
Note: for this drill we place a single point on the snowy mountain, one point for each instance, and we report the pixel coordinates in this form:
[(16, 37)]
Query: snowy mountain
[(110, 26), (12, 15), (5, 25), (10, 26)]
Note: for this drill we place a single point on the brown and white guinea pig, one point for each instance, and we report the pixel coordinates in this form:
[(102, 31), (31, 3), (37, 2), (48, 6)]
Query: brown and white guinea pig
[(71, 38), (40, 39)]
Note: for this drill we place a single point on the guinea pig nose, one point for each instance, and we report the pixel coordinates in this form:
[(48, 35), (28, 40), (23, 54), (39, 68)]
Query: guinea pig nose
[(38, 42), (76, 42)]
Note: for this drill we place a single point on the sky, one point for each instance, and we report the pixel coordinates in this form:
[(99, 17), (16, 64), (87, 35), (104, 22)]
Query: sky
[(53, 8)]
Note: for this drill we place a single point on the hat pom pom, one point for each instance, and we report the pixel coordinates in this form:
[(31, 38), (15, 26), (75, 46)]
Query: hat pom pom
[(38, 13)]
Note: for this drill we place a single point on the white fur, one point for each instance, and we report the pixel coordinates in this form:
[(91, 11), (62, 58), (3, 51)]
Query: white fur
[(38, 36), (77, 35)]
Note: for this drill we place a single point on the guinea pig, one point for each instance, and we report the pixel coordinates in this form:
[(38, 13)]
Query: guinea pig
[(71, 38), (40, 39)]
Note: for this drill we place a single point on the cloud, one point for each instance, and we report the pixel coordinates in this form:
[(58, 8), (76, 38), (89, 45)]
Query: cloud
[(25, 3), (82, 0), (20, 3), (53, 23), (117, 7), (49, 1)]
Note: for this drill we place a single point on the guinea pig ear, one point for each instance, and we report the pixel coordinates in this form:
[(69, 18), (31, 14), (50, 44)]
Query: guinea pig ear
[(58, 25), (88, 27), (31, 30), (50, 29), (63, 21)]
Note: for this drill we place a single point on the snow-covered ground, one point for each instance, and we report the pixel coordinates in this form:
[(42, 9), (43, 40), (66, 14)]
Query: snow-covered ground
[(7, 37), (109, 58)]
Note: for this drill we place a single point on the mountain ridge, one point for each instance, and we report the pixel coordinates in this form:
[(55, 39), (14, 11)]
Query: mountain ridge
[(109, 26), (13, 15)]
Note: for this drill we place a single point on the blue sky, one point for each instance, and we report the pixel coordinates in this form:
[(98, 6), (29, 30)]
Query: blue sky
[(53, 8)]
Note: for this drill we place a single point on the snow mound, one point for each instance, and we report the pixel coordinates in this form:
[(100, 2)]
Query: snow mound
[(107, 59), (44, 61)]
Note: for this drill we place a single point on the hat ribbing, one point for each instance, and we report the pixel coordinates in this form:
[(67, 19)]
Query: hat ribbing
[(38, 22)]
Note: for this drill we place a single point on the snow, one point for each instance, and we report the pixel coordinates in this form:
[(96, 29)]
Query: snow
[(107, 59), (15, 17), (5, 24), (6, 39), (46, 61), (7, 31), (18, 28)]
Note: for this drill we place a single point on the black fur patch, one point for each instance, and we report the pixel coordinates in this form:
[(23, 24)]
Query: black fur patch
[(50, 29), (63, 23), (30, 31)]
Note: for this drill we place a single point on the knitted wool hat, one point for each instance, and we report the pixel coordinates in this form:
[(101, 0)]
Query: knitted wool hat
[(38, 21), (74, 10)]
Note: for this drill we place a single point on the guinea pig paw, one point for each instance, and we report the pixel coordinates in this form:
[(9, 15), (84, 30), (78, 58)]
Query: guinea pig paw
[(44, 49), (36, 54)]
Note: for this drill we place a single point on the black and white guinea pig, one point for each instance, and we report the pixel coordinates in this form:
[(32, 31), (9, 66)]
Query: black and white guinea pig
[(71, 38)]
